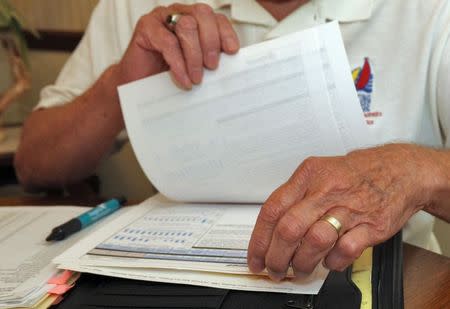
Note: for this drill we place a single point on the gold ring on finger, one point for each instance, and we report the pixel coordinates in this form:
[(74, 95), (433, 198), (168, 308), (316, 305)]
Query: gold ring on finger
[(335, 223)]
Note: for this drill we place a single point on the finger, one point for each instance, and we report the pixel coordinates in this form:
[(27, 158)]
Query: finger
[(208, 31), (228, 37), (172, 54), (349, 247), (288, 233), (319, 240), (187, 32), (275, 206), (157, 37)]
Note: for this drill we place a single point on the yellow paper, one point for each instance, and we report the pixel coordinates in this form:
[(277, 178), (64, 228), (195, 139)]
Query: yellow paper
[(46, 302), (362, 277)]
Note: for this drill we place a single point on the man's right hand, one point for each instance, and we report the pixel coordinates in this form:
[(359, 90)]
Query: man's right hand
[(194, 44)]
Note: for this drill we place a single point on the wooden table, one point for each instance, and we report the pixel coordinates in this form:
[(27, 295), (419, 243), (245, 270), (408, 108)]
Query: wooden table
[(426, 276)]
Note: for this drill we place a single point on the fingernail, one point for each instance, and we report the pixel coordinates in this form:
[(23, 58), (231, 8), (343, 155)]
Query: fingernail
[(197, 75), (256, 265), (212, 59), (275, 275), (231, 44), (187, 83), (182, 82), (300, 275)]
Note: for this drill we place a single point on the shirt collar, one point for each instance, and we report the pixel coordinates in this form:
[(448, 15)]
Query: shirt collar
[(345, 10), (244, 11), (249, 11), (308, 15)]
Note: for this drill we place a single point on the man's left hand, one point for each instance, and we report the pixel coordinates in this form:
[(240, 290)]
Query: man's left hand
[(371, 192)]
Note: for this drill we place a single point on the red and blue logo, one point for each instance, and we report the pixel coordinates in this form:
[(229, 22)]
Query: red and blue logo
[(363, 78)]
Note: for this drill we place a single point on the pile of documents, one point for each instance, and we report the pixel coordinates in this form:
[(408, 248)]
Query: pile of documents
[(28, 278), (219, 151), (164, 241)]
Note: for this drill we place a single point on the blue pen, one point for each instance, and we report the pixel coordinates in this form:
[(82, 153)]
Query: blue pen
[(76, 224)]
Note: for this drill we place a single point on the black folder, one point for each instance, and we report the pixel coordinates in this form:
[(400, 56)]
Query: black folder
[(338, 291)]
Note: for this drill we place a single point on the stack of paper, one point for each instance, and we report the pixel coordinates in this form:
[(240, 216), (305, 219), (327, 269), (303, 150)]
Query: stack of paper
[(198, 244), (28, 278), (233, 139)]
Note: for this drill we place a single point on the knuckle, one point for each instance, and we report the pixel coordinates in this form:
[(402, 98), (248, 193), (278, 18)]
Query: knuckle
[(275, 265), (212, 43), (158, 9), (158, 12), (141, 22), (333, 266), (379, 225), (203, 9), (222, 18), (170, 42), (302, 267), (318, 238), (288, 230), (258, 246), (144, 22), (339, 265), (308, 167), (143, 35), (284, 195), (270, 213), (350, 249), (188, 23), (311, 163)]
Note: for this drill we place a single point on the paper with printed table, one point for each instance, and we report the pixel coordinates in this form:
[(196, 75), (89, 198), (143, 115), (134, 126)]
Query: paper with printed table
[(217, 152)]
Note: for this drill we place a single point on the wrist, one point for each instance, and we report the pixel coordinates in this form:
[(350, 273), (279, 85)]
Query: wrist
[(438, 175), (115, 75), (105, 96)]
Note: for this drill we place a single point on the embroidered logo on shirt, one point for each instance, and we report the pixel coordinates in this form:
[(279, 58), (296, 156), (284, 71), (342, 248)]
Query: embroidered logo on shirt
[(363, 78)]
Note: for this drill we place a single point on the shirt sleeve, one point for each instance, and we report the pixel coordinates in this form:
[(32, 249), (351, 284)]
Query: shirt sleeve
[(440, 67), (98, 49), (443, 93)]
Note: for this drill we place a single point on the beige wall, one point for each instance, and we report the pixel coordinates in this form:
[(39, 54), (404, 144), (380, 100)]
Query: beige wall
[(64, 15), (44, 69)]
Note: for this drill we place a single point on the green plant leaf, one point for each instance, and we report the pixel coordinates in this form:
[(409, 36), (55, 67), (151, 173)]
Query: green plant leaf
[(12, 21), (20, 40), (5, 13)]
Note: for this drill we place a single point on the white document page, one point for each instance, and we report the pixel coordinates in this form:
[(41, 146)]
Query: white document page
[(183, 232), (309, 285), (163, 234), (26, 258), (135, 252), (245, 129)]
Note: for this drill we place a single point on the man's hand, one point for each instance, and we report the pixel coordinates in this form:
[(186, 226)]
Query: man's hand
[(372, 192), (195, 42), (80, 133)]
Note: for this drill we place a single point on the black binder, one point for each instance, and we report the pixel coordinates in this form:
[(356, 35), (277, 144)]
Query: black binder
[(338, 291)]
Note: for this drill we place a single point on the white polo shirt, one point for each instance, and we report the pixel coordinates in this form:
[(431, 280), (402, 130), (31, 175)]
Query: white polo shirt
[(399, 51)]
